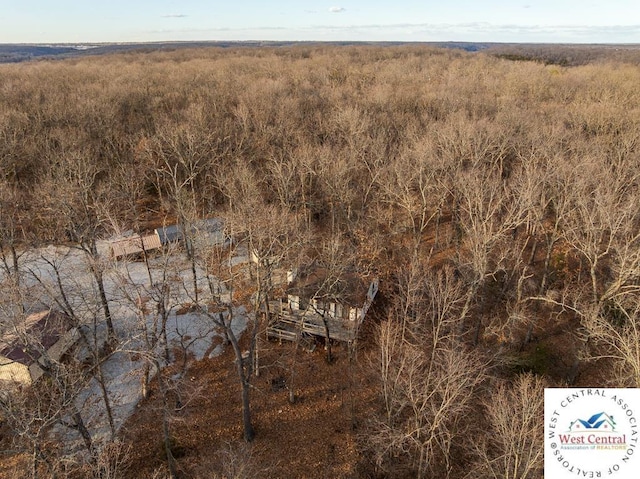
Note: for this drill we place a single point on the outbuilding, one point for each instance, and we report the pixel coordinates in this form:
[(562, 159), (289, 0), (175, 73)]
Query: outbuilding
[(26, 347), (134, 245)]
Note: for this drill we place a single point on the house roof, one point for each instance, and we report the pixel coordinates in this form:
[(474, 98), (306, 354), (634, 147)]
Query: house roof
[(174, 233), (169, 234), (347, 289), (43, 330)]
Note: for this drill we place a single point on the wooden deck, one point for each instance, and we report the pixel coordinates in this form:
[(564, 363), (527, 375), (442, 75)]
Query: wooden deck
[(289, 326), (134, 245)]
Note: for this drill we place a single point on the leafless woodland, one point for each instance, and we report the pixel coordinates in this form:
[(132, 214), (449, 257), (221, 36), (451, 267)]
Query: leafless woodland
[(496, 200)]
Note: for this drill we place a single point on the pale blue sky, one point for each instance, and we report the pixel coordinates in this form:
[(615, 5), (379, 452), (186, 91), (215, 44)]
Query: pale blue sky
[(75, 21)]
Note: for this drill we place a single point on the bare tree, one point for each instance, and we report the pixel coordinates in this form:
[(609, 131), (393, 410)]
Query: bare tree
[(602, 228), (231, 292), (14, 208), (489, 213), (515, 450), (269, 237), (428, 382), (545, 188), (81, 307), (411, 183), (30, 415), (616, 333), (179, 154), (80, 196), (113, 461), (231, 462), (33, 410)]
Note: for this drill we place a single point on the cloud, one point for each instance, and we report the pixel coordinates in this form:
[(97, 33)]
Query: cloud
[(174, 15), (337, 9), (479, 31), (429, 32)]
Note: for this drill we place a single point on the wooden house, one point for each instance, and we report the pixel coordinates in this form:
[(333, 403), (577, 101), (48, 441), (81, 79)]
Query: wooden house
[(25, 347), (315, 303)]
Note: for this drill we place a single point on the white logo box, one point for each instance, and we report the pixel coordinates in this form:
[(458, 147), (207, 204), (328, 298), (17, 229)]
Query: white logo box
[(591, 433)]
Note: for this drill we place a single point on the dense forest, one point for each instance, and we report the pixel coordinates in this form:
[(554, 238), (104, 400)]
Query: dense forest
[(494, 196)]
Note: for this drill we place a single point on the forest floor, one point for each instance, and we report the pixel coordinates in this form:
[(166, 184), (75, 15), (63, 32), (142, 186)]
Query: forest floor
[(315, 437)]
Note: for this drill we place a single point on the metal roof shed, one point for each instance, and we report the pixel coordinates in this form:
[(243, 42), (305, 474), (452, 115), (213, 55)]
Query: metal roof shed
[(169, 234), (211, 228)]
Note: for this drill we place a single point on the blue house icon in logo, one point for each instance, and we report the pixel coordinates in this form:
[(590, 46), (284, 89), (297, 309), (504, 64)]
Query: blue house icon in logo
[(600, 422)]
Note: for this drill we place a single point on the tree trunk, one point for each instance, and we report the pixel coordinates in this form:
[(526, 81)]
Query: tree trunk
[(467, 304), (35, 461), (534, 250), (594, 281), (327, 339), (144, 381), (97, 273), (16, 268), (192, 259), (97, 363), (195, 279), (163, 334), (547, 264), (78, 424), (249, 432), (105, 397), (166, 433), (244, 376)]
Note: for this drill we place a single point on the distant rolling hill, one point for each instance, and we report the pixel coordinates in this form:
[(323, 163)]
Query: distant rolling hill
[(13, 53), (10, 53), (560, 54)]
